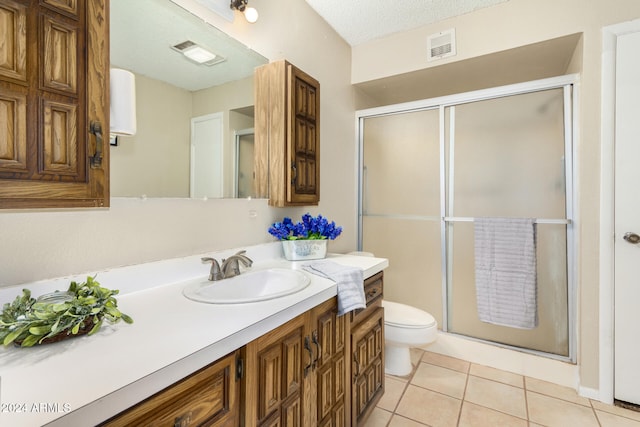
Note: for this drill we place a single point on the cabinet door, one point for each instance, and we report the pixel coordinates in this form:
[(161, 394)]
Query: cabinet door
[(287, 135), (275, 366), (329, 339), (367, 387), (208, 397), (53, 86), (304, 137)]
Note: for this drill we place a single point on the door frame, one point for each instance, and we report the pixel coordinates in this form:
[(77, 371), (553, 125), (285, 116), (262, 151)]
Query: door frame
[(610, 36)]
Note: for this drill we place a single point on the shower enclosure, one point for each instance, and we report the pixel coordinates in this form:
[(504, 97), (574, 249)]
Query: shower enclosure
[(428, 168), (244, 147)]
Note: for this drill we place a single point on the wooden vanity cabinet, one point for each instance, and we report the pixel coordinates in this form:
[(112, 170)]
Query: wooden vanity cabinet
[(329, 338), (287, 135), (297, 374), (54, 89), (275, 366), (209, 397), (318, 369), (367, 352)]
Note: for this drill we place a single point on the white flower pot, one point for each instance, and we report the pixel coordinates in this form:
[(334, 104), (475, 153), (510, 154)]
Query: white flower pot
[(298, 250)]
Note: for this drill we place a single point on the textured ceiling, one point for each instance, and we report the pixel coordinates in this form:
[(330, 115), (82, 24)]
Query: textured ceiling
[(359, 21)]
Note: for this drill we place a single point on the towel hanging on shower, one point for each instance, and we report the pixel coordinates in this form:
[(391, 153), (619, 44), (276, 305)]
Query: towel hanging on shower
[(505, 268)]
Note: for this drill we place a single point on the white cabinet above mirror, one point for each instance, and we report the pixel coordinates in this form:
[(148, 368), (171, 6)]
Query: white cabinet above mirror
[(171, 90)]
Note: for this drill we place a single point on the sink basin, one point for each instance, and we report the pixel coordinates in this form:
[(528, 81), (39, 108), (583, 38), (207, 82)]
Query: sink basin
[(252, 286)]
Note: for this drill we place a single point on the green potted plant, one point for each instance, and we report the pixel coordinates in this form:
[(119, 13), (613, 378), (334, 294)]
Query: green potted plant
[(306, 239)]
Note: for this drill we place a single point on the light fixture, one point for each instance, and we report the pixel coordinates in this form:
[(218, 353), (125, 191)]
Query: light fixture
[(250, 13), (199, 54), (122, 102), (196, 53)]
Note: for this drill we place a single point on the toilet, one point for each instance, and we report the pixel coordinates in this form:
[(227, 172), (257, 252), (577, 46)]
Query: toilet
[(404, 327)]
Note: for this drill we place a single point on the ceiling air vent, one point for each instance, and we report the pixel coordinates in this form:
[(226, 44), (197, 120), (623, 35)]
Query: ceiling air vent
[(441, 45), (184, 45)]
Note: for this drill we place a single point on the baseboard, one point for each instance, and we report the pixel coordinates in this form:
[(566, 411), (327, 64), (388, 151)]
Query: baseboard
[(591, 393), (555, 371)]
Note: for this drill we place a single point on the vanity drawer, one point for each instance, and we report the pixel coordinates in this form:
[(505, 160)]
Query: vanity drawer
[(373, 291), (207, 397)]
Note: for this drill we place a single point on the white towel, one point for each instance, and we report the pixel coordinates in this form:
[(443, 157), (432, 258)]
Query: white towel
[(349, 282), (505, 267)]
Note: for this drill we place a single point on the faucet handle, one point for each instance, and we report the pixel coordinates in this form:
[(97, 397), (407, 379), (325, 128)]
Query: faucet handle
[(215, 273), (245, 260), (230, 266)]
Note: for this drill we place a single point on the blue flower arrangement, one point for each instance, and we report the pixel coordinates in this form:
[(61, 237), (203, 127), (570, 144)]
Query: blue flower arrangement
[(310, 228)]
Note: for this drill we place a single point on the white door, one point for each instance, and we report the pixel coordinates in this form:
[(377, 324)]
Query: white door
[(206, 178), (627, 220)]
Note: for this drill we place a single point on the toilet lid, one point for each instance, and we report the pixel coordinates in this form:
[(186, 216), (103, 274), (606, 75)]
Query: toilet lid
[(402, 315)]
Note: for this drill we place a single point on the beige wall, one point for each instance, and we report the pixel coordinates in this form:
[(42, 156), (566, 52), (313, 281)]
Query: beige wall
[(290, 29), (512, 24), (40, 244), (43, 244), (155, 161)]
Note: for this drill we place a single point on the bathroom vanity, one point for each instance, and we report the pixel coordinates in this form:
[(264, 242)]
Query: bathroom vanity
[(284, 360)]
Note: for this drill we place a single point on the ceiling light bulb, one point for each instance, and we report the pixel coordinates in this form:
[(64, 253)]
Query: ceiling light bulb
[(251, 14)]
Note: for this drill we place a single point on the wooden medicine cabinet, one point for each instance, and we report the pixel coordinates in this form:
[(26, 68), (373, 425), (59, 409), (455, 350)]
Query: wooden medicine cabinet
[(287, 135), (54, 72)]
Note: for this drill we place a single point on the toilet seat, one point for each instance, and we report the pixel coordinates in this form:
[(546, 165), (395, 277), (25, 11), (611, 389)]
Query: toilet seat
[(405, 316)]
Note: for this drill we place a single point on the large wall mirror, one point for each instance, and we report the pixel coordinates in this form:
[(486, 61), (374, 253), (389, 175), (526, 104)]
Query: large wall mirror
[(194, 135)]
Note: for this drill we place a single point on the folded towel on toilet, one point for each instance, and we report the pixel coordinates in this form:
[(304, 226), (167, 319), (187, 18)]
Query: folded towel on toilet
[(349, 282)]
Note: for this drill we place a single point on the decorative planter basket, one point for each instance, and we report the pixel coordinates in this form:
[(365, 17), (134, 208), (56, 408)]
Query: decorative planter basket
[(299, 250), (59, 315), (65, 334)]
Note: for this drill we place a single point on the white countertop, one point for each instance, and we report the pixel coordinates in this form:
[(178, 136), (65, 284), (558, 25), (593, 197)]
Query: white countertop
[(85, 380)]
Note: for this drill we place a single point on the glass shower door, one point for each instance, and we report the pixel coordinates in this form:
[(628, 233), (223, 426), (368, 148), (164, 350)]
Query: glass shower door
[(400, 208), (244, 164), (506, 158)]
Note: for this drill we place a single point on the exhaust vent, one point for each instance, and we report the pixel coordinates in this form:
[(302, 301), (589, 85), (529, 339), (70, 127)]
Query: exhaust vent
[(441, 45), (184, 45)]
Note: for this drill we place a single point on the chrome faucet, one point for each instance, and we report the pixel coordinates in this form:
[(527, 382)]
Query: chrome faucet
[(230, 266)]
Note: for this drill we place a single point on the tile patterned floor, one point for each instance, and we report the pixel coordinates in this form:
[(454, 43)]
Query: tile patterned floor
[(446, 392)]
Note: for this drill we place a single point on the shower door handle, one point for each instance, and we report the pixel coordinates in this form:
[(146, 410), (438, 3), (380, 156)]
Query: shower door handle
[(632, 238)]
